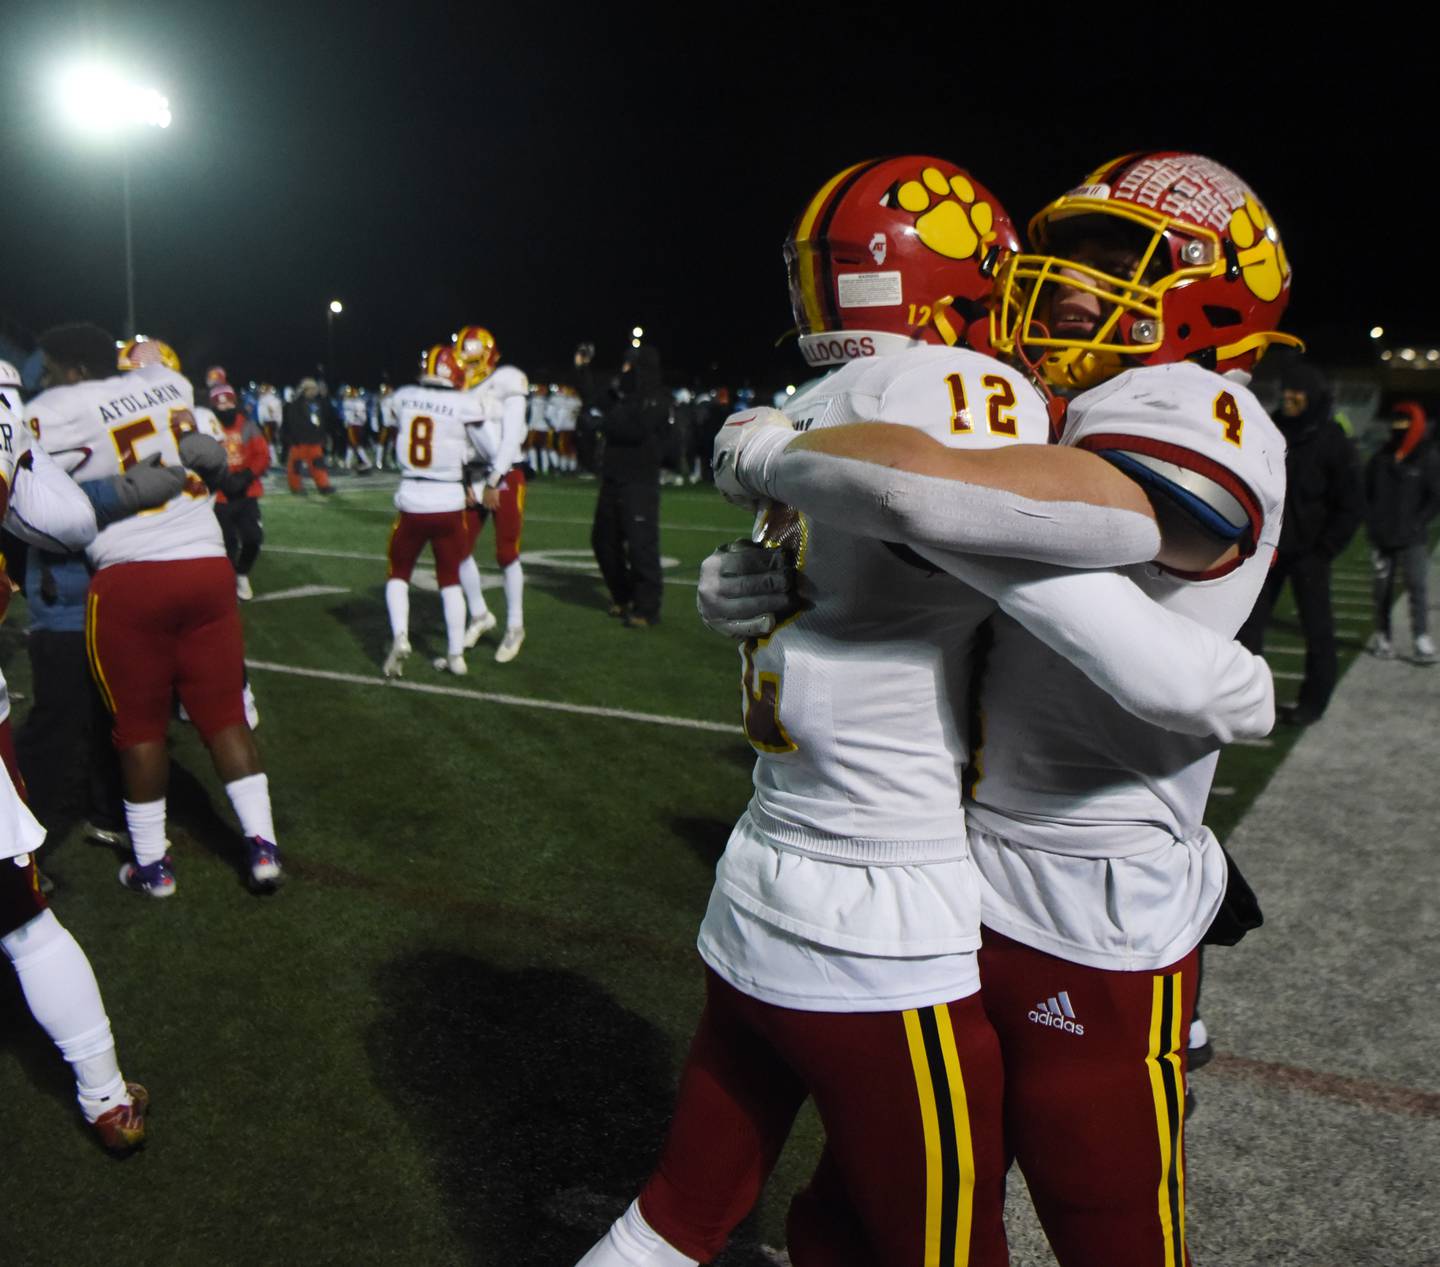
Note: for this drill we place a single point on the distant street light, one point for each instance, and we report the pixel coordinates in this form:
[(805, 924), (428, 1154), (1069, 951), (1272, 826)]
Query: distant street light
[(97, 99), (637, 333), (1377, 332), (335, 309)]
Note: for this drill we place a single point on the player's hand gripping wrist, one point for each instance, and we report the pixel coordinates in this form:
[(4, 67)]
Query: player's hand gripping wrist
[(747, 449)]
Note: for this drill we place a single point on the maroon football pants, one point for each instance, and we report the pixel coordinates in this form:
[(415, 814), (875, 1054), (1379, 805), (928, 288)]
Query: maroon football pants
[(914, 1168), (1095, 1099)]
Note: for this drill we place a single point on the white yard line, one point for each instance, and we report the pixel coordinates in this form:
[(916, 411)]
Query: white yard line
[(1252, 743), (300, 591), (1286, 677), (490, 697), (528, 560)]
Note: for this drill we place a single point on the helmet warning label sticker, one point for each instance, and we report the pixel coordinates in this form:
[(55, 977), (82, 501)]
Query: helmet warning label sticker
[(870, 290)]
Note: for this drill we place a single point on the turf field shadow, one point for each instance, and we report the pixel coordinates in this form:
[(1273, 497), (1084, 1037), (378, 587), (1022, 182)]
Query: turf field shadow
[(540, 1101), (365, 619), (22, 1040), (705, 836)]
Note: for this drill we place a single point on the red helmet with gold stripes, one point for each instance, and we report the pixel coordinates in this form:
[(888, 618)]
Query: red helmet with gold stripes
[(891, 252), (440, 367), (476, 350)]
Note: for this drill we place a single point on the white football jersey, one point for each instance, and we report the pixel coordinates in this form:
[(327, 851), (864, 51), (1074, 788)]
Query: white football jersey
[(561, 411), (1086, 821), (432, 447), (854, 843), (354, 411), (503, 399), (99, 428)]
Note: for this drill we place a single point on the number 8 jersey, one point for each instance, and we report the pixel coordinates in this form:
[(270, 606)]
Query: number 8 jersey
[(102, 427), (432, 447)]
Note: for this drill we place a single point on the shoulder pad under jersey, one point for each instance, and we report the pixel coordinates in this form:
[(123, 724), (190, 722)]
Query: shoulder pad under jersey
[(507, 380), (1195, 437)]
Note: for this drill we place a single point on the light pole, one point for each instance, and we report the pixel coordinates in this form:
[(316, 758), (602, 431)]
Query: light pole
[(100, 101), (335, 309)]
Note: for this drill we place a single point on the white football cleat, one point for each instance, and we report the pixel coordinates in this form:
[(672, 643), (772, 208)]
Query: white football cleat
[(510, 645), (1379, 646), (395, 660), (451, 664), (480, 625), (1424, 649), (242, 587)]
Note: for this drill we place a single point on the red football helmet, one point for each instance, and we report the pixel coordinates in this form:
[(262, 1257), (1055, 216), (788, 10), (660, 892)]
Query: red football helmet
[(215, 374), (475, 349), (1204, 276), (891, 252), (142, 351), (440, 367)]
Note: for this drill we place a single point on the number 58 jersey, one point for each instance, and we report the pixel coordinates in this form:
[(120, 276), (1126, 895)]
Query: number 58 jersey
[(105, 426), (432, 447)]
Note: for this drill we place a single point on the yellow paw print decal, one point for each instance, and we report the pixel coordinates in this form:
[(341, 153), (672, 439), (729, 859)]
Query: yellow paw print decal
[(948, 219), (1262, 259)]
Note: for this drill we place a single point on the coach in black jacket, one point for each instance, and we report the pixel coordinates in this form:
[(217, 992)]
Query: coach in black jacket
[(1323, 508), (626, 532)]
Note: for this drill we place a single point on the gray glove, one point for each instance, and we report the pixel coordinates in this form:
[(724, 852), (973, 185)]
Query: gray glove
[(147, 484), (744, 586), (205, 456)]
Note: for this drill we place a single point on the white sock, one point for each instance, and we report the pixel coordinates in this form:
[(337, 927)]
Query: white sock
[(251, 798), (514, 578), (146, 821), (397, 603), (453, 602), (60, 988), (632, 1242), (1198, 1035), (470, 583)]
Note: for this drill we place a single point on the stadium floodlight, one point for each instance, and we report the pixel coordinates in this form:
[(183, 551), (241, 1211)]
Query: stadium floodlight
[(1387, 355), (634, 343), (1407, 354), (334, 309), (1377, 332), (638, 332), (99, 100)]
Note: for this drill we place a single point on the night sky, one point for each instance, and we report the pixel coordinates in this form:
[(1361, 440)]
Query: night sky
[(560, 173)]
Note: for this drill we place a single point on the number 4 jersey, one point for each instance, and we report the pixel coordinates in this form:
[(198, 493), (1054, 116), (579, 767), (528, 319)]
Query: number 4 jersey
[(99, 428), (432, 447)]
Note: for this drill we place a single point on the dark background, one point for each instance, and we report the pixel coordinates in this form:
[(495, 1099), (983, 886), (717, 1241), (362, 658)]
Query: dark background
[(562, 173)]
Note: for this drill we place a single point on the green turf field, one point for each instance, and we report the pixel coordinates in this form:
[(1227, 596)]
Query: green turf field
[(452, 1038)]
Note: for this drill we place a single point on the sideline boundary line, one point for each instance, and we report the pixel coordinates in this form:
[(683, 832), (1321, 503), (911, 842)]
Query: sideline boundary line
[(492, 697), (541, 565)]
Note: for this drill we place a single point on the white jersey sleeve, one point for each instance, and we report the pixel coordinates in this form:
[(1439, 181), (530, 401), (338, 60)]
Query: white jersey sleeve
[(431, 448), (503, 400), (968, 401), (45, 506), (99, 428)]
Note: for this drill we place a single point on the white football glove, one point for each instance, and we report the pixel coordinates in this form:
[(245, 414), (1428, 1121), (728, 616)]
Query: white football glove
[(743, 586), (745, 447)]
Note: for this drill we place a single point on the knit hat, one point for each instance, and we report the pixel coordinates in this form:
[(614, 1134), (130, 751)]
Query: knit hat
[(222, 396)]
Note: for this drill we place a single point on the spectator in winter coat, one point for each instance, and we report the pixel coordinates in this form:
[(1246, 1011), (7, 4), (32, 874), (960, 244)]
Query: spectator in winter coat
[(1402, 495), (307, 420), (1323, 506), (626, 532), (237, 506)]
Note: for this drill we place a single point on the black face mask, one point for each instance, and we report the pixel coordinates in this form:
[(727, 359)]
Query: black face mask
[(226, 416)]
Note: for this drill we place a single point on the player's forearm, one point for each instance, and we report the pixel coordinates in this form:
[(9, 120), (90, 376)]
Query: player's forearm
[(1052, 505), (1159, 665)]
